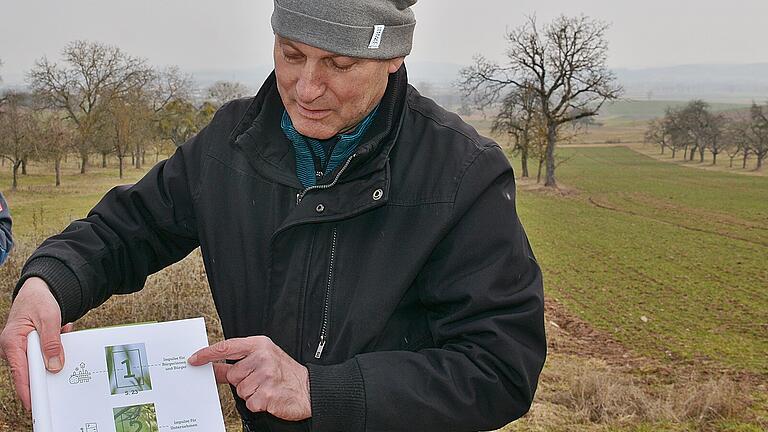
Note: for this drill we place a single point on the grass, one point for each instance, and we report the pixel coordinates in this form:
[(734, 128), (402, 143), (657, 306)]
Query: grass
[(683, 248), (666, 260)]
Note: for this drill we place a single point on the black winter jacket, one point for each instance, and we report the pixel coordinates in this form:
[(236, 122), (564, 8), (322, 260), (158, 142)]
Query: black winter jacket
[(404, 281), (6, 236)]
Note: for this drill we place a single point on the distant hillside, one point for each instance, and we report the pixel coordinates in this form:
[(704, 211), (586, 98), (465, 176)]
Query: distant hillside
[(633, 109), (727, 83)]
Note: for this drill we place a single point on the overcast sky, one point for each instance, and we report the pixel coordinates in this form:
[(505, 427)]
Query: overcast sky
[(236, 34)]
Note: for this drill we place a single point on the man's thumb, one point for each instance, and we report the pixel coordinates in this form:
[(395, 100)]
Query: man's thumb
[(50, 344)]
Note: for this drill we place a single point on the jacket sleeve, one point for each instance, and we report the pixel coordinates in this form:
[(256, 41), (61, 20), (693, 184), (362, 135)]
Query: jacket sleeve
[(6, 235), (483, 290), (134, 231)]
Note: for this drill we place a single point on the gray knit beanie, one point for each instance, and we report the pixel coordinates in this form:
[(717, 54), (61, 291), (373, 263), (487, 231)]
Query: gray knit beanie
[(375, 29)]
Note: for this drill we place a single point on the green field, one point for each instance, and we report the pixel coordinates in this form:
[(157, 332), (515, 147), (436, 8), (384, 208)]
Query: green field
[(667, 260), (640, 238)]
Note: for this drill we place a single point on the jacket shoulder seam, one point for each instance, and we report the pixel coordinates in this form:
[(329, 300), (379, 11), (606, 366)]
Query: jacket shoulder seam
[(444, 124)]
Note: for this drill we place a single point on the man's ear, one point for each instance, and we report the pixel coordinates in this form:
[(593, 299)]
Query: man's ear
[(395, 64)]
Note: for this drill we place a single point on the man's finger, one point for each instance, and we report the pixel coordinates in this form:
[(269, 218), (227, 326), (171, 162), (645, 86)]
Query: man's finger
[(230, 349), (17, 360), (256, 403), (68, 328), (50, 344), (220, 371)]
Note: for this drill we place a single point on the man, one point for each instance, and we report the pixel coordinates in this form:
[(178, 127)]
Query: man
[(361, 244), (6, 237)]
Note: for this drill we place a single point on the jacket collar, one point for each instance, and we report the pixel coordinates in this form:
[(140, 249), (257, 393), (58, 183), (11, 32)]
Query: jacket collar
[(259, 136)]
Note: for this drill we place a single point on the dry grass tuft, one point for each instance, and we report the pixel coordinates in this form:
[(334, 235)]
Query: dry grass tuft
[(599, 396), (580, 392)]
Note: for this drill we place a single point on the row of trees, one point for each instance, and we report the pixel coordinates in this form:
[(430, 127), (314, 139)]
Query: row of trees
[(101, 101), (695, 129)]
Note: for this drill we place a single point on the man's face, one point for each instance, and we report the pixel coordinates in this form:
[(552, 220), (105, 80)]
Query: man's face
[(326, 93)]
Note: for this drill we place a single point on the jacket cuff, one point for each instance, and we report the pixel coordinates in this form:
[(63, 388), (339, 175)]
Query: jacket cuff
[(338, 397), (62, 282)]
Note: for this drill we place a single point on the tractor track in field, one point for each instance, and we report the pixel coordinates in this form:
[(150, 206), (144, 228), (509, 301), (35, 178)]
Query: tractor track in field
[(604, 206), (570, 335)]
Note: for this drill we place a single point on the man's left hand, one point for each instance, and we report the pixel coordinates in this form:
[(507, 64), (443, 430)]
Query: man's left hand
[(267, 378)]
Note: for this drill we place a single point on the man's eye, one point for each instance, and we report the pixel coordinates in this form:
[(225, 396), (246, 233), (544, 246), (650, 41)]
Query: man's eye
[(292, 58), (342, 67)]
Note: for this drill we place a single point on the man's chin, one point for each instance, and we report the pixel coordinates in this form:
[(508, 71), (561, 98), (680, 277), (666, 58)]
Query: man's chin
[(314, 130)]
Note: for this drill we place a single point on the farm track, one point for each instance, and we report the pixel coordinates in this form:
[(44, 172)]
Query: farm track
[(675, 224), (571, 335)]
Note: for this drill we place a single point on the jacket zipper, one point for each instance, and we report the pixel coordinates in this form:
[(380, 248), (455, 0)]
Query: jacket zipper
[(327, 303), (300, 196)]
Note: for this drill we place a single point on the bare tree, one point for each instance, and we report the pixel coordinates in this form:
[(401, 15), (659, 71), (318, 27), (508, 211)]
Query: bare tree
[(564, 64), (677, 128), (16, 129), (714, 136), (131, 124), (92, 76), (658, 133), (222, 92), (519, 118), (698, 121), (735, 138), (56, 136), (758, 133)]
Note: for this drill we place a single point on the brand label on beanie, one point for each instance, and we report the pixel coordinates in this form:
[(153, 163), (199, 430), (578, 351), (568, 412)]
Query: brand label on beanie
[(378, 30)]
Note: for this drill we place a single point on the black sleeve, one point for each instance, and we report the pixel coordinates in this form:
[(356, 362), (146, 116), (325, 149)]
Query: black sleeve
[(6, 235), (134, 231), (483, 288)]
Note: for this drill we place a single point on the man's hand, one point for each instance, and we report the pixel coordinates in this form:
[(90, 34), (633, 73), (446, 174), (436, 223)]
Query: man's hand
[(35, 308), (265, 376)]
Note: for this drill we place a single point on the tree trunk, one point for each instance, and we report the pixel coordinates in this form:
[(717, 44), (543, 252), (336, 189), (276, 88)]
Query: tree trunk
[(120, 159), (57, 168), (692, 152), (103, 160), (538, 173), (662, 148), (16, 174), (550, 152), (524, 162), (685, 153), (23, 167), (731, 165), (701, 154), (760, 161), (744, 162), (143, 157), (83, 162), (674, 150), (138, 157), (133, 158), (714, 158)]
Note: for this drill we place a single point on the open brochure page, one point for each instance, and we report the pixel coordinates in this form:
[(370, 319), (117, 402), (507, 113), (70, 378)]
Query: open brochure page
[(127, 379)]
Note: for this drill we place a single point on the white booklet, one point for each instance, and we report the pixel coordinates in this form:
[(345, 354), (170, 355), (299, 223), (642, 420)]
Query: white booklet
[(126, 379)]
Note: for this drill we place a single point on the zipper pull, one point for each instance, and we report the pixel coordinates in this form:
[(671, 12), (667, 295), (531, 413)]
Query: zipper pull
[(320, 348), (298, 198)]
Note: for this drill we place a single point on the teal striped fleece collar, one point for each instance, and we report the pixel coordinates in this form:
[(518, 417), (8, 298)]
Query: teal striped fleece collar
[(305, 164)]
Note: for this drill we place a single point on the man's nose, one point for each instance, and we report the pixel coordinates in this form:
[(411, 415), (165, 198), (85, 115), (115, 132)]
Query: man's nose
[(310, 85)]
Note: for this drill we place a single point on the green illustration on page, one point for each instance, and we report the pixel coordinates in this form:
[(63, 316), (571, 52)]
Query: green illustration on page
[(136, 418), (128, 369)]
